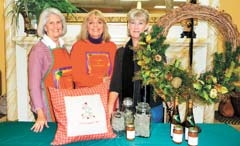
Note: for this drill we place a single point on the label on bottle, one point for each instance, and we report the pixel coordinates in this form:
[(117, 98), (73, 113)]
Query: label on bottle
[(186, 133), (171, 132)]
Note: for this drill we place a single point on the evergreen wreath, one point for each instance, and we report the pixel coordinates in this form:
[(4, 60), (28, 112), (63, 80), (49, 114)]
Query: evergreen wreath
[(171, 80)]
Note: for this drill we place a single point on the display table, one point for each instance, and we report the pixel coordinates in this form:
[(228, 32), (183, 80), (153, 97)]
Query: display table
[(19, 134)]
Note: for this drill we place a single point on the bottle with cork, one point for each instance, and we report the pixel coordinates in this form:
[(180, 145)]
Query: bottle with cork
[(189, 120), (175, 119)]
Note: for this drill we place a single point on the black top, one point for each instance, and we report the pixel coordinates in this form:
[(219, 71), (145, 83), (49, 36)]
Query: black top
[(122, 78)]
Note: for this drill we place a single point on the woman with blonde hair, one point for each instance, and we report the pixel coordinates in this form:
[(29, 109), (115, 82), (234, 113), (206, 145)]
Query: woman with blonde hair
[(92, 56), (122, 83)]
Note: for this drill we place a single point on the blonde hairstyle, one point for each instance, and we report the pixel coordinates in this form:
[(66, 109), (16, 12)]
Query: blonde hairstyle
[(136, 13), (141, 14), (84, 33), (44, 18)]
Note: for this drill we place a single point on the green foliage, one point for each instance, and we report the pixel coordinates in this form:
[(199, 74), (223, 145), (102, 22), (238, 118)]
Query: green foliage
[(226, 67), (168, 80), (171, 80), (34, 7), (63, 5), (207, 88)]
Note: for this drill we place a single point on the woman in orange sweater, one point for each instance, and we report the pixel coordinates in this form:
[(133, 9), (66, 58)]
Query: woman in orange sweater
[(92, 56)]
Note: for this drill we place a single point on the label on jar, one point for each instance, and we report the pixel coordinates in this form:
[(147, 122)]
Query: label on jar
[(130, 135), (177, 137), (192, 141), (177, 134)]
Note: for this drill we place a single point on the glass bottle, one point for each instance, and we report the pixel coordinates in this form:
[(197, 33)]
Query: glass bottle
[(142, 119), (175, 119), (189, 120), (128, 111)]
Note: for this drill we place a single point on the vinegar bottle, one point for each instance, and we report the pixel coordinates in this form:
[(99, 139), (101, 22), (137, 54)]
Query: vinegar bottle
[(189, 120), (175, 120)]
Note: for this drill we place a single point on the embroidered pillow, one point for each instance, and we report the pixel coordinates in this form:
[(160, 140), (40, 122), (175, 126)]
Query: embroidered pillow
[(81, 114)]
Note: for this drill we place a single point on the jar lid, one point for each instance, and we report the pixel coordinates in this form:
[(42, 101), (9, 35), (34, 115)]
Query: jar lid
[(193, 129), (117, 114), (178, 127), (143, 107), (128, 101), (130, 125), (143, 104)]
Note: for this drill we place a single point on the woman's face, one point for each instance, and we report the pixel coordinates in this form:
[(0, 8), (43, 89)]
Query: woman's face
[(54, 27), (95, 27), (136, 27)]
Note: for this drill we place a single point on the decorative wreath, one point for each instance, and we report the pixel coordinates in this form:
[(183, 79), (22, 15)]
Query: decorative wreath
[(221, 20), (171, 80)]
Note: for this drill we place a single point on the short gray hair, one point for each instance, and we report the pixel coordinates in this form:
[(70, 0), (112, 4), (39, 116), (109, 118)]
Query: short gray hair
[(44, 18), (138, 14)]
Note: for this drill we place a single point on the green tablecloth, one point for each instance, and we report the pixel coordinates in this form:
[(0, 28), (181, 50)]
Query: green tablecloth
[(19, 134)]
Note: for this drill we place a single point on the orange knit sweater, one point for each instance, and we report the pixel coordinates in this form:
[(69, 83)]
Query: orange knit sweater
[(92, 62)]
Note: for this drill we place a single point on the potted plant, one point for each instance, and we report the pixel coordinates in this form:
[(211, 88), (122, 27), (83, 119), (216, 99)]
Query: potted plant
[(227, 70), (31, 10)]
